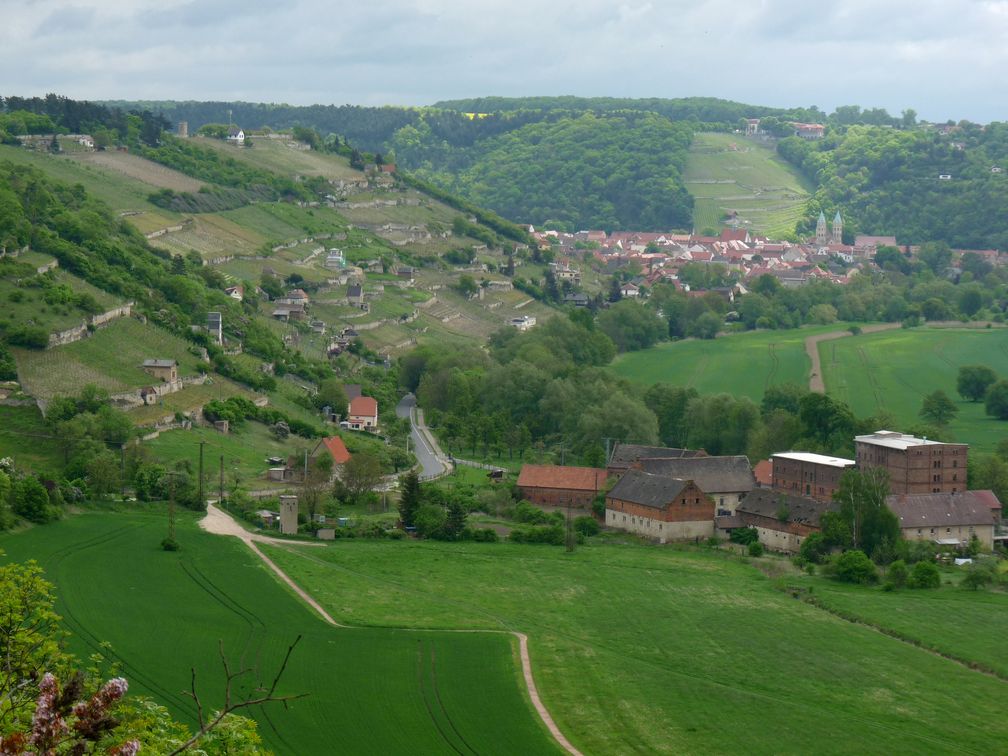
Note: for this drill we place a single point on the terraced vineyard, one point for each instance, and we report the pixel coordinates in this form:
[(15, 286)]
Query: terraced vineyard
[(730, 173), (111, 359)]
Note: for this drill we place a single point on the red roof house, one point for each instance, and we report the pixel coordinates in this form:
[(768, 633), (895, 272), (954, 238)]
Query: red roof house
[(362, 413)]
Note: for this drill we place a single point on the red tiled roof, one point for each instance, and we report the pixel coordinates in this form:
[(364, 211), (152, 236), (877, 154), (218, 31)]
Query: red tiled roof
[(989, 497), (364, 405), (337, 449), (555, 476)]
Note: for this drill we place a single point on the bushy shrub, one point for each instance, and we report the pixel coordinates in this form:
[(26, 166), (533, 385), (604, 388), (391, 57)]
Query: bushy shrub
[(897, 574), (755, 549), (586, 526), (745, 536), (854, 566), (525, 512), (480, 535), (924, 575), (552, 534)]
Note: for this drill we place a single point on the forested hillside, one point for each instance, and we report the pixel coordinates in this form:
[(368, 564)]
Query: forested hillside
[(614, 171), (920, 184)]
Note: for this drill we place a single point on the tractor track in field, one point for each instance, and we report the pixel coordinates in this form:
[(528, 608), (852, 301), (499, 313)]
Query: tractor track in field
[(816, 383), (430, 709), (92, 640), (221, 523)]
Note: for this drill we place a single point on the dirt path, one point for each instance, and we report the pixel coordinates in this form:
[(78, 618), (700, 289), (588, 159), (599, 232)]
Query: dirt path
[(812, 349), (220, 522)]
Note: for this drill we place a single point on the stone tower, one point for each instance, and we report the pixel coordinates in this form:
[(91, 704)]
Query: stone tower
[(183, 129), (820, 230), (288, 515), (837, 228)]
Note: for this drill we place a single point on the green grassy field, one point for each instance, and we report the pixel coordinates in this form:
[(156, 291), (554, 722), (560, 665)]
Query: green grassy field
[(726, 172), (110, 358), (894, 370), (743, 364), (946, 619), (275, 155), (373, 690), (245, 452), (648, 650)]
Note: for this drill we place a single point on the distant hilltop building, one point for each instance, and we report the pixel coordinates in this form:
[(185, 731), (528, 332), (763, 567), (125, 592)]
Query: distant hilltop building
[(809, 130), (183, 129), (752, 126)]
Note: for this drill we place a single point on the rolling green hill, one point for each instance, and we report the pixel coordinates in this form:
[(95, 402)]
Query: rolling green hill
[(376, 690), (743, 364), (663, 632), (889, 371), (884, 371)]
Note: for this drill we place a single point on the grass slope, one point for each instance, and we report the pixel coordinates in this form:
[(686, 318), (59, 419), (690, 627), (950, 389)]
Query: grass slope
[(662, 651), (726, 172), (121, 192), (743, 364), (946, 619), (25, 436), (26, 305), (895, 370), (375, 690)]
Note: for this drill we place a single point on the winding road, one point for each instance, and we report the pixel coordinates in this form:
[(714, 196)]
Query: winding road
[(432, 460)]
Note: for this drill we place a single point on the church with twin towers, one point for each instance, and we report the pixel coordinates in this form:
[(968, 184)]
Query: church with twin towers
[(822, 235)]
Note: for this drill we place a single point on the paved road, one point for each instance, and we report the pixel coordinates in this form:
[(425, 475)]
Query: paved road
[(424, 446)]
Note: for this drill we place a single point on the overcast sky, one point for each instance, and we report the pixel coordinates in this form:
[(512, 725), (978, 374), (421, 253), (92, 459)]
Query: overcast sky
[(943, 58)]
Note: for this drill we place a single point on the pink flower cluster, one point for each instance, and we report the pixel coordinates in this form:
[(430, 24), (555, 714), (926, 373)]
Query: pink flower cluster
[(48, 726), (92, 718)]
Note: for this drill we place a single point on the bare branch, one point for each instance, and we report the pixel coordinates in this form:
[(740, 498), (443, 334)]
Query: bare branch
[(230, 707)]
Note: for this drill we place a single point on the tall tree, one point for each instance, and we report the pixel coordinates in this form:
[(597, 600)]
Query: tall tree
[(862, 499), (410, 498), (937, 408)]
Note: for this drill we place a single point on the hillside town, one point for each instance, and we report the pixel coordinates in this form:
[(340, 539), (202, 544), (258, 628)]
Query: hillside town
[(745, 255)]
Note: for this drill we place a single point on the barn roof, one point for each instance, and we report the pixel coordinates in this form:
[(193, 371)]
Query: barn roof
[(767, 502), (625, 455), (557, 476), (941, 509), (646, 489), (711, 474)]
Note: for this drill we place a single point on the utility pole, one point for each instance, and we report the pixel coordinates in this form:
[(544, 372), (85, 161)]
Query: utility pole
[(122, 470), (221, 499), (202, 500), (569, 536)]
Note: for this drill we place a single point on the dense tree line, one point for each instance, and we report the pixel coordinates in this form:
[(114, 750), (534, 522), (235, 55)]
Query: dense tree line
[(614, 171), (887, 181)]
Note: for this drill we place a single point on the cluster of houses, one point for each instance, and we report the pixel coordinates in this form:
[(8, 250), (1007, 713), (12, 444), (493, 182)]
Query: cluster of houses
[(660, 256), (669, 494)]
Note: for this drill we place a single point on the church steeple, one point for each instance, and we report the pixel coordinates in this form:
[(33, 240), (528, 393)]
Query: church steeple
[(837, 228), (820, 229)]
